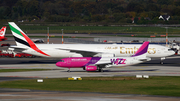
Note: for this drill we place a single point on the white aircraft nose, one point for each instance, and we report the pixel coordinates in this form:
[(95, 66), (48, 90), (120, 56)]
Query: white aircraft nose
[(171, 52)]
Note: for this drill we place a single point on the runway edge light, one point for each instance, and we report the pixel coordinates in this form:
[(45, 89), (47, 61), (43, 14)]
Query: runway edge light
[(74, 78), (146, 76), (138, 76), (142, 76), (39, 80)]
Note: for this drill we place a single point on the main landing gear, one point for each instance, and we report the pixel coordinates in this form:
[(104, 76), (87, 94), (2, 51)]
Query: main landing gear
[(163, 58), (100, 70), (68, 70)]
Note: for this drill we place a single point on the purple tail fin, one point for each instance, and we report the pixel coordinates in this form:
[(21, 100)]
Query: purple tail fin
[(142, 50)]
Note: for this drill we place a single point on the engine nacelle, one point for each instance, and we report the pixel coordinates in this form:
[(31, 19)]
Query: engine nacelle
[(77, 55), (90, 68)]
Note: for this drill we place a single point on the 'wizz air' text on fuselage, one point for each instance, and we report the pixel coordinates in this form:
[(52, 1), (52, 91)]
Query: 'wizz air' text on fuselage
[(118, 61)]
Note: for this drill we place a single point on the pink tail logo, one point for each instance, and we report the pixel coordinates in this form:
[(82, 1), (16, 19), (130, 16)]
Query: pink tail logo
[(118, 61), (2, 31)]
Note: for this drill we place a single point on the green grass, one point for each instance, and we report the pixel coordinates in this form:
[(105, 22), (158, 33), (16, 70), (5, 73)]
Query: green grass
[(139, 36), (52, 37), (166, 86), (21, 70), (100, 29)]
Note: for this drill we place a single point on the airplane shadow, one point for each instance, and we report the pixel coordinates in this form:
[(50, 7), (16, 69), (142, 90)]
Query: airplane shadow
[(150, 70), (158, 64)]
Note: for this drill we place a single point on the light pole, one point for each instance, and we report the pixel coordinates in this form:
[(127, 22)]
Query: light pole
[(62, 37), (165, 18), (48, 35), (166, 36)]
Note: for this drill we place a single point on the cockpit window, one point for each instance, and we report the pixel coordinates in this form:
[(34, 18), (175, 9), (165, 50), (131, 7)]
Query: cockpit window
[(170, 50), (61, 61)]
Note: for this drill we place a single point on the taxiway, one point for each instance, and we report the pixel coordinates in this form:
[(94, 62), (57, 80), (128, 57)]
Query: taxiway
[(171, 67)]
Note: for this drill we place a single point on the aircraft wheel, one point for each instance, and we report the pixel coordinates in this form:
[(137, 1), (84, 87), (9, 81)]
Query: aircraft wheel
[(100, 70), (162, 62)]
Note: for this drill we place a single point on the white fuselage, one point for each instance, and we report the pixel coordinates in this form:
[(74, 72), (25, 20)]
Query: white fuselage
[(122, 61), (118, 50)]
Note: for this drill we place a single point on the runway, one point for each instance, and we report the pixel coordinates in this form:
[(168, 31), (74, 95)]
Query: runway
[(34, 95), (171, 67)]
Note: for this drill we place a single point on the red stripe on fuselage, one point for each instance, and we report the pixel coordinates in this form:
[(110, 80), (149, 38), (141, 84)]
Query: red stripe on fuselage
[(33, 46)]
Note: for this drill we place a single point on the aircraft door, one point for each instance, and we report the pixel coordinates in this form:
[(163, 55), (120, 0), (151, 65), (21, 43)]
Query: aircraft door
[(68, 61)]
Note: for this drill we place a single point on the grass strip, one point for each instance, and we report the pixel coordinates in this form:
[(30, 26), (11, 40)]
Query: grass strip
[(137, 36), (100, 29), (165, 86), (54, 37)]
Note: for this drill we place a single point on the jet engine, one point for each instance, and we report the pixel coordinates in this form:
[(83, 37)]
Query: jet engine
[(90, 68)]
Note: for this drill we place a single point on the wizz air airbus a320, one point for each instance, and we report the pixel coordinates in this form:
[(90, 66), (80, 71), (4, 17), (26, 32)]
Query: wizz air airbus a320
[(26, 45), (97, 63), (2, 34)]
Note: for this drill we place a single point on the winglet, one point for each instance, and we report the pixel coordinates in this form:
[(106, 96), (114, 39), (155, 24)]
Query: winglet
[(142, 50)]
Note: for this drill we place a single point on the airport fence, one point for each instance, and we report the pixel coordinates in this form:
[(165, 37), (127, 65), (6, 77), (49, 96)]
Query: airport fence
[(135, 39)]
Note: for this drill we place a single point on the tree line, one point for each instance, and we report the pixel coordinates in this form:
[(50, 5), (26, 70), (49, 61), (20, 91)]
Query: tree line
[(91, 11)]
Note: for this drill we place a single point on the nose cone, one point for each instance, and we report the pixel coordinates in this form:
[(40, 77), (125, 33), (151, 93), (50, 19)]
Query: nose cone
[(172, 52), (58, 64), (169, 52)]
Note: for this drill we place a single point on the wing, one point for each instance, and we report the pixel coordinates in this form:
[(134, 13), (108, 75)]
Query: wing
[(84, 53)]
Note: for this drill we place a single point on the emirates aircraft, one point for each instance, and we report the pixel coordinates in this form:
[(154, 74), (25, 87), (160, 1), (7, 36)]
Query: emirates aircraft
[(26, 45), (97, 63), (2, 34)]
